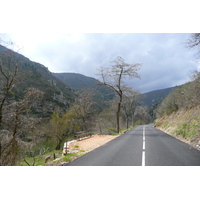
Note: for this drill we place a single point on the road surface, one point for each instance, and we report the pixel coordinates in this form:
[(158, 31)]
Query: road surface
[(141, 146)]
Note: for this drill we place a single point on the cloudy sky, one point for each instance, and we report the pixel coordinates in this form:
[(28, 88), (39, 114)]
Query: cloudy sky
[(166, 61)]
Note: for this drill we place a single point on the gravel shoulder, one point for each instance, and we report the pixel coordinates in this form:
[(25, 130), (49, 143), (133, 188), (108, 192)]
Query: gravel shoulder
[(91, 143)]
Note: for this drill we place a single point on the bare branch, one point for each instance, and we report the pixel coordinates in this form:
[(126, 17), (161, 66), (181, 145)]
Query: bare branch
[(194, 42), (113, 77), (26, 162)]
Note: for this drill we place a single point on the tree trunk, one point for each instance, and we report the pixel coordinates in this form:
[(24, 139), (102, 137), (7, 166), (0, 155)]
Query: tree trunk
[(127, 121), (99, 124), (0, 118), (132, 119), (84, 124), (118, 115), (58, 146), (16, 123), (118, 112), (1, 109)]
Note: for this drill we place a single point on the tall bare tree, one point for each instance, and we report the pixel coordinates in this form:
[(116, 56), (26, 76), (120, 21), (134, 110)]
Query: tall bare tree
[(114, 76)]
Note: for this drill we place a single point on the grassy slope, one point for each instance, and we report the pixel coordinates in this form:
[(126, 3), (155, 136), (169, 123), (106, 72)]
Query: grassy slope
[(183, 124)]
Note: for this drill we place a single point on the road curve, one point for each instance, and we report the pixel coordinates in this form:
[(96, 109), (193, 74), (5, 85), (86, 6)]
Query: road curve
[(141, 146)]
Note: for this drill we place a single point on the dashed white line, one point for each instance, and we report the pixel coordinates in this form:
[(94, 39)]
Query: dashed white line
[(143, 145), (143, 152), (143, 158)]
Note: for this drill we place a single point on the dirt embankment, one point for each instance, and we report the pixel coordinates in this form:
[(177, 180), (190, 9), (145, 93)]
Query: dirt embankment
[(184, 125)]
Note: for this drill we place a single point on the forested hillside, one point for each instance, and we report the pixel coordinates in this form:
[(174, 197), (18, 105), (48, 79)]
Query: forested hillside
[(152, 98), (35, 75), (29, 95), (79, 82)]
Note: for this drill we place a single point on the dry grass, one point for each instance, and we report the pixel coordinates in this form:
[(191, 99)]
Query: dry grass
[(183, 124)]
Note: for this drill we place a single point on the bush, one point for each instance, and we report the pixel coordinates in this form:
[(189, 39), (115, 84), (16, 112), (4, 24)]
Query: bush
[(187, 131)]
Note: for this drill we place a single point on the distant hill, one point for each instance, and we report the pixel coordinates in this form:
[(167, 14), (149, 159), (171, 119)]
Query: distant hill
[(60, 88), (152, 98), (56, 93), (80, 82), (77, 81)]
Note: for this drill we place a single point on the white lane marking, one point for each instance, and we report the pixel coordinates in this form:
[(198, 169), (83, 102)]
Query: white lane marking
[(143, 158), (144, 131), (143, 145), (143, 152)]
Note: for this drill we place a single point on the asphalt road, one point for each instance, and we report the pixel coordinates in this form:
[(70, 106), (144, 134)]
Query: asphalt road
[(141, 146)]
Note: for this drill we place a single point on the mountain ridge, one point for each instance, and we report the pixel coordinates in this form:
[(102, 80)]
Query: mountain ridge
[(60, 88), (56, 93), (80, 82), (153, 97)]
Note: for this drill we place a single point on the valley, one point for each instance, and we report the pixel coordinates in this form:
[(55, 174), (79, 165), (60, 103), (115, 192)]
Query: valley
[(41, 110)]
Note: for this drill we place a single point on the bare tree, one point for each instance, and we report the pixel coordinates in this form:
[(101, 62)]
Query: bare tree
[(194, 42), (16, 123), (114, 77), (129, 103), (82, 107), (194, 74), (141, 115)]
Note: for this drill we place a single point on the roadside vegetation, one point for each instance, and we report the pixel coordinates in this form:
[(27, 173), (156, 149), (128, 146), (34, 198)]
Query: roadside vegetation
[(184, 124), (51, 158)]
